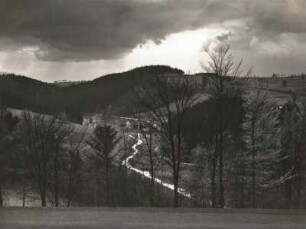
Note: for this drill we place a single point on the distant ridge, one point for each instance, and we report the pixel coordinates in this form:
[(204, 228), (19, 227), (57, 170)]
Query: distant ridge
[(65, 83), (75, 98), (112, 92)]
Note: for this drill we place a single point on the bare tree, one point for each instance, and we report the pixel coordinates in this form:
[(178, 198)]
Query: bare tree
[(40, 140), (222, 81), (7, 125), (293, 141), (58, 158), (261, 138), (148, 131), (167, 100), (76, 143), (125, 149)]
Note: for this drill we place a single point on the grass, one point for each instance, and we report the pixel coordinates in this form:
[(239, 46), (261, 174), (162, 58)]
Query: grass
[(12, 218)]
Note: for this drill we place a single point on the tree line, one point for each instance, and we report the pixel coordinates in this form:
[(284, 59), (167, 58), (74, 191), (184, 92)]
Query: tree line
[(236, 148), (43, 159)]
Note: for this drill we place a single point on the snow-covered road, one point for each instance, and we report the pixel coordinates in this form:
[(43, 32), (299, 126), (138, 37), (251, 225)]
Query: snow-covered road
[(147, 174)]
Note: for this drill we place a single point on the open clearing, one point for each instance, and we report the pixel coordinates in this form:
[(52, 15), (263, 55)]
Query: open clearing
[(136, 218)]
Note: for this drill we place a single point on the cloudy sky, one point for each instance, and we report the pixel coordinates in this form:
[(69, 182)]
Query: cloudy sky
[(82, 39)]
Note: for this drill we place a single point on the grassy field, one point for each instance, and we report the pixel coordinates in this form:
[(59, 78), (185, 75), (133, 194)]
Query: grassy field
[(34, 218), (280, 88)]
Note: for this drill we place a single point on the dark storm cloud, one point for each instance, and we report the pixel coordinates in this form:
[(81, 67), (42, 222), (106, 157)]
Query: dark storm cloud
[(280, 16), (83, 30), (91, 29)]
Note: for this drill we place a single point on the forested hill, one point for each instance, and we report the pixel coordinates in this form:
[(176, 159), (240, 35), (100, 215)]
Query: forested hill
[(22, 92), (91, 96)]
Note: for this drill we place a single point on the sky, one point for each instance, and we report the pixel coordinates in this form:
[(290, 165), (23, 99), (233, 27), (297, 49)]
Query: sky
[(84, 39)]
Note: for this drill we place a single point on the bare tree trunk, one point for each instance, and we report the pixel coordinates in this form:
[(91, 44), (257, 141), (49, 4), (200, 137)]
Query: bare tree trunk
[(43, 196), (152, 174), (56, 186), (125, 196), (298, 180), (220, 142), (43, 187), (24, 193), (298, 172), (213, 173), (176, 194), (286, 165), (288, 192), (107, 173), (56, 165), (149, 144), (213, 182), (177, 165), (242, 194), (221, 185), (23, 198), (151, 169), (152, 203), (43, 199), (288, 186), (253, 190), (175, 174), (69, 187), (95, 194), (125, 189), (298, 190), (1, 196)]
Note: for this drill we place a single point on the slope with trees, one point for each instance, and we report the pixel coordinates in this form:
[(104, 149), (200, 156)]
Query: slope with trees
[(90, 96)]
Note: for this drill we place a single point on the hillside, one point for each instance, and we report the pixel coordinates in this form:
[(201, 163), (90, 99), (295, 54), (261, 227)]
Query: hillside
[(281, 89), (91, 96), (113, 92), (25, 93)]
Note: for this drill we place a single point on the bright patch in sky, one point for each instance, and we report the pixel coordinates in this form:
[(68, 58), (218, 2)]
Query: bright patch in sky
[(182, 50)]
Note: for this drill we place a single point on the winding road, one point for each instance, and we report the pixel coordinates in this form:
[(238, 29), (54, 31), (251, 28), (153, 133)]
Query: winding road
[(147, 174)]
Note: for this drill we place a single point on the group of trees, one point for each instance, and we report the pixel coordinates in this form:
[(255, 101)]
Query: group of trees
[(242, 148), (167, 101), (255, 144), (45, 160)]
